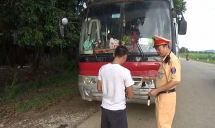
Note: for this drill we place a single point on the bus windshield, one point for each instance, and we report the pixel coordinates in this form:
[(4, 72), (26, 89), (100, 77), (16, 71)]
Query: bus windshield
[(108, 25)]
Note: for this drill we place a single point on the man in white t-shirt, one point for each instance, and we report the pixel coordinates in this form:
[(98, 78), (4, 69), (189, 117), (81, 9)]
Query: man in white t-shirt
[(113, 80)]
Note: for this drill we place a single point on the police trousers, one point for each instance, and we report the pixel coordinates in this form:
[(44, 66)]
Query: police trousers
[(165, 109)]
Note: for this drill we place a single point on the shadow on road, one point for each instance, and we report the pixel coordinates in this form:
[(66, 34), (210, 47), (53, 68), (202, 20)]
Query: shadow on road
[(141, 115)]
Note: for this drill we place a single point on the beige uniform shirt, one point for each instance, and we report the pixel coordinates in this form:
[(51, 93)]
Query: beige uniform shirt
[(170, 71)]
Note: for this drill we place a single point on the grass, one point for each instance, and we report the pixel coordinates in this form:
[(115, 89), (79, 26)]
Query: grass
[(202, 57), (40, 93), (45, 99)]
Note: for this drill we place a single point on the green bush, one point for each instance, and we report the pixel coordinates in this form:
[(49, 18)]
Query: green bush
[(200, 56), (60, 63), (63, 63), (15, 79), (9, 92)]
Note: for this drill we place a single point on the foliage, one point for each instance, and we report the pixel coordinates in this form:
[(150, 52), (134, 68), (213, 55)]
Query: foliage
[(60, 63), (34, 23), (180, 4), (10, 92), (46, 99), (15, 79), (183, 50), (201, 56)]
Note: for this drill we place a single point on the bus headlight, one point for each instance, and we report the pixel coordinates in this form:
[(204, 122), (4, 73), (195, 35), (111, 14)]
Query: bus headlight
[(93, 81), (87, 92), (87, 80)]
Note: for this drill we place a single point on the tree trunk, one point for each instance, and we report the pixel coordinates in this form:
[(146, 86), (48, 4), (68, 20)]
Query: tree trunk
[(36, 62), (12, 54), (3, 54), (22, 56)]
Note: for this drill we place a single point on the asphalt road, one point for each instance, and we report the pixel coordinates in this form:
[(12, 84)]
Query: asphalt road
[(195, 102)]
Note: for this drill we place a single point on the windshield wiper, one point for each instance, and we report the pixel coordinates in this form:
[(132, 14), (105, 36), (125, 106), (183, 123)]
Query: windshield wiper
[(141, 52)]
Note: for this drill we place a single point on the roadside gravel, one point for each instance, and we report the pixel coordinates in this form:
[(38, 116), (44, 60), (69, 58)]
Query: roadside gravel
[(63, 115)]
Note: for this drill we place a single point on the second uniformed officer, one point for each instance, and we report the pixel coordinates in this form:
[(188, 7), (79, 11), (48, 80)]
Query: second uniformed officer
[(168, 77)]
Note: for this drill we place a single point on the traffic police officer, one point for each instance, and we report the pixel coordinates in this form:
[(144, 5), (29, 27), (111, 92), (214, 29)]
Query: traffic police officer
[(168, 77)]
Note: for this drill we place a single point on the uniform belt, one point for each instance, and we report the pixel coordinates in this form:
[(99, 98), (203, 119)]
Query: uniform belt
[(167, 91)]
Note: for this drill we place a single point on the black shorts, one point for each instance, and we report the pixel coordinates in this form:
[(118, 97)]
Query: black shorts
[(114, 119)]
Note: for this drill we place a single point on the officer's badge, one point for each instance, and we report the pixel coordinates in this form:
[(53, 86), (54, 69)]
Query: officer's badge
[(160, 75), (173, 70)]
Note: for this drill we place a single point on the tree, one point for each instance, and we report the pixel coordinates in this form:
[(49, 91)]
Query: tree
[(33, 23), (180, 4), (183, 50)]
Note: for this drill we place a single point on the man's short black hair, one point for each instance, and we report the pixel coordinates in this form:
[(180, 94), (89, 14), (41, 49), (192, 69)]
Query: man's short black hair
[(120, 51)]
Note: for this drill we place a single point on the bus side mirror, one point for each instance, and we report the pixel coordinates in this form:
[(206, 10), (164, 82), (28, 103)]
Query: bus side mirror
[(60, 31), (182, 23), (60, 27), (182, 26)]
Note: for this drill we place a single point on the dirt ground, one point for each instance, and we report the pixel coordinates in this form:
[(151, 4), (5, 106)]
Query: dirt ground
[(65, 114)]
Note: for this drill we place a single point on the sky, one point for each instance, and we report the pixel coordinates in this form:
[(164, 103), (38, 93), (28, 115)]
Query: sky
[(200, 17)]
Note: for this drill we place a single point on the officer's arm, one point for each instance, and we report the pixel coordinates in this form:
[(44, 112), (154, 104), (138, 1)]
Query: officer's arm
[(99, 86)]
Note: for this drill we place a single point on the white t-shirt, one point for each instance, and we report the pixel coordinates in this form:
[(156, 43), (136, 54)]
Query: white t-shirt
[(114, 79)]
